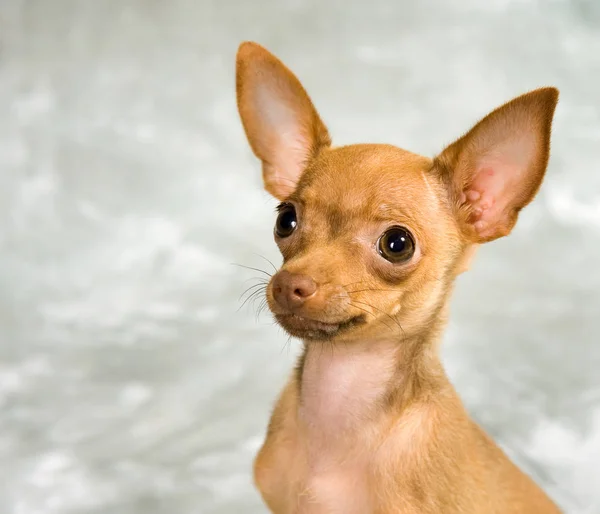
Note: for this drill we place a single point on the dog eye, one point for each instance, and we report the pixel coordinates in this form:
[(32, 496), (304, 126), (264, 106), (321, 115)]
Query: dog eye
[(286, 220), (396, 245)]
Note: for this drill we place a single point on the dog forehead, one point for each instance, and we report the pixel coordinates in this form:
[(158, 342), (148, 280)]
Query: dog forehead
[(366, 176)]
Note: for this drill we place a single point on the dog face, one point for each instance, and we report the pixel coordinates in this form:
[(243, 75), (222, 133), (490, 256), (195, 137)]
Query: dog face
[(368, 242), (372, 236)]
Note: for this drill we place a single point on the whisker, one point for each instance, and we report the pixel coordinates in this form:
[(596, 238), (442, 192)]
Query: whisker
[(321, 352), (250, 289), (373, 289), (263, 257), (261, 308), (252, 297), (353, 283), (384, 313), (287, 344), (252, 300), (260, 293), (262, 280), (253, 269), (370, 314)]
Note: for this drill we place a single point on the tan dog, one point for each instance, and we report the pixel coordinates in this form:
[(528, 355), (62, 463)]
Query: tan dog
[(372, 239)]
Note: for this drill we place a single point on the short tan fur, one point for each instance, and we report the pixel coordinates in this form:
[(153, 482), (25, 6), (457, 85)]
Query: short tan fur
[(372, 238)]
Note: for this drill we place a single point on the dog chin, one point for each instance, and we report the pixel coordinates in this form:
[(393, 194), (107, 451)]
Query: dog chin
[(311, 329)]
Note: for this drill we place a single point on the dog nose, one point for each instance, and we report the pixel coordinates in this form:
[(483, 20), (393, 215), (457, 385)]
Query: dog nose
[(291, 290)]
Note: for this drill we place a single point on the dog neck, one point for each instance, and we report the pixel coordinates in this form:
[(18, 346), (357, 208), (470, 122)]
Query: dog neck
[(343, 387)]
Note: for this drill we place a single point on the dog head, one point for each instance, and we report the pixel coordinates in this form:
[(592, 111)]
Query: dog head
[(372, 236)]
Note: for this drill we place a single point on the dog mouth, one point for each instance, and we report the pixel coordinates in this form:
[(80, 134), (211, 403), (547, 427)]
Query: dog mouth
[(307, 328)]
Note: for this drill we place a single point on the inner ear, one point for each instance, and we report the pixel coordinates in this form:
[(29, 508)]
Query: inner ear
[(494, 190), (496, 169)]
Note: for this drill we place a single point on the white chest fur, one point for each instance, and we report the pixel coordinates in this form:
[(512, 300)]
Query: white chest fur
[(341, 385), (341, 389)]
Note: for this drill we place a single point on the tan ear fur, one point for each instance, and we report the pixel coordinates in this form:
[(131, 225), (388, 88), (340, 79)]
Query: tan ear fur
[(496, 169), (283, 127)]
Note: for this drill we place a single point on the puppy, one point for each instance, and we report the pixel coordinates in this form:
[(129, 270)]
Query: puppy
[(372, 238)]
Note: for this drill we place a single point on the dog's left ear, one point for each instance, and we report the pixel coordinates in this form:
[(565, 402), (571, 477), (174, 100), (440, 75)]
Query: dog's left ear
[(496, 169)]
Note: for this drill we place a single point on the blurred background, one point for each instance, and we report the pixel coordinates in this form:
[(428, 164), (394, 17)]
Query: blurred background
[(129, 381)]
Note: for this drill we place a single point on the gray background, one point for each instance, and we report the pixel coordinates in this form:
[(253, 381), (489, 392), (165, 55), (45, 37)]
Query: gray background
[(128, 382)]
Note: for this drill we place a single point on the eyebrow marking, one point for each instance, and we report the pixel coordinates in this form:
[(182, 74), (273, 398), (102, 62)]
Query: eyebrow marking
[(337, 221)]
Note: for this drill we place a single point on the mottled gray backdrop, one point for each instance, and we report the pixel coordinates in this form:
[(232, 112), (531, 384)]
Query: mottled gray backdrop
[(129, 384)]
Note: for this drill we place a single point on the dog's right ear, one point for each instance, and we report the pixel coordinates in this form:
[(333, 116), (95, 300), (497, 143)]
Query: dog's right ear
[(281, 123)]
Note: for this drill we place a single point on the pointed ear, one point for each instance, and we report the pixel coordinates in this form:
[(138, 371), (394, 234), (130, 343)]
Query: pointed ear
[(496, 169), (282, 126)]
